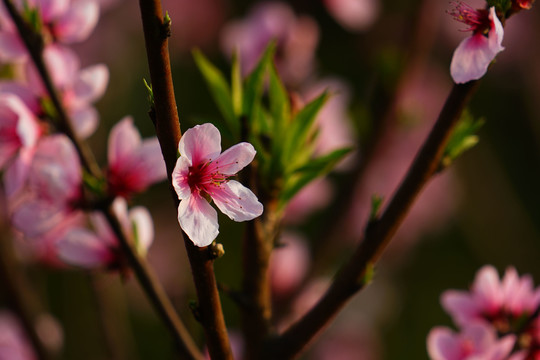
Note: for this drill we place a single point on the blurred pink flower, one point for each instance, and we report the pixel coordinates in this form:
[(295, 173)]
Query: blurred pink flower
[(474, 54), (354, 15), (478, 341), (19, 127), (99, 248), (202, 173), (62, 21), (524, 4), (296, 37), (134, 164), (289, 264), (314, 196), (13, 342), (493, 300), (45, 191), (79, 88)]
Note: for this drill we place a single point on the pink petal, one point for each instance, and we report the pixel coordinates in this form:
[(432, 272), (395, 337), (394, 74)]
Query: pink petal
[(487, 289), (199, 220), (11, 48), (56, 171), (78, 22), (180, 178), (354, 15), (234, 159), (474, 54), (460, 305), (85, 120), (34, 218), (443, 344), (200, 144), (236, 201), (51, 9), (141, 220), (82, 247), (91, 83), (62, 63), (22, 92), (150, 162), (124, 139), (502, 348), (16, 174)]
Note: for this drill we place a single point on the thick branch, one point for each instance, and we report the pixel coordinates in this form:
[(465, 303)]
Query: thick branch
[(350, 278), (168, 132)]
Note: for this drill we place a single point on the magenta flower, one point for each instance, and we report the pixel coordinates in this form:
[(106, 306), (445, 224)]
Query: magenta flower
[(478, 341), (203, 173), (474, 54), (134, 164)]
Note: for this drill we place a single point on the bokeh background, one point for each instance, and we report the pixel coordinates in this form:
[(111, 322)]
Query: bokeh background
[(391, 61)]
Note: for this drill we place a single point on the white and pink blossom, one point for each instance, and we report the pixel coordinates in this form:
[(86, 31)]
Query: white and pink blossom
[(474, 54), (203, 173), (477, 341), (134, 164)]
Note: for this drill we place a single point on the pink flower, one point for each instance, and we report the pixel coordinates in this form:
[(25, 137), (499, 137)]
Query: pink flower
[(79, 88), (13, 342), (99, 248), (202, 173), (133, 164), (289, 265), (474, 54), (296, 38), (492, 300), (44, 192), (354, 15), (478, 341), (19, 128), (62, 21)]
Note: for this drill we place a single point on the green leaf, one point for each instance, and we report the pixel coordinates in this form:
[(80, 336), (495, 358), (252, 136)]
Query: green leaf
[(150, 94), (254, 84), (219, 88), (310, 171), (279, 101), (376, 203), (462, 139), (300, 129), (236, 81)]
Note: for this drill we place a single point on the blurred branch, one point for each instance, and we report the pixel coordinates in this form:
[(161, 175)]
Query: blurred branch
[(145, 276), (156, 32), (350, 278), (35, 46), (20, 295)]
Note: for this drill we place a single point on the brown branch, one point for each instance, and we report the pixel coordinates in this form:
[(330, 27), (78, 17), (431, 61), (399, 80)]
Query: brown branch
[(145, 276), (166, 121), (350, 279)]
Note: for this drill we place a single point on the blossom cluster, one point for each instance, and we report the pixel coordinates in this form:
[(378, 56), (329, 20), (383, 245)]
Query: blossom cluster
[(46, 188), (498, 319)]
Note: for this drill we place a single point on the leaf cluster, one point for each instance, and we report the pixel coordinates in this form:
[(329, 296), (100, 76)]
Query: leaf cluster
[(258, 109)]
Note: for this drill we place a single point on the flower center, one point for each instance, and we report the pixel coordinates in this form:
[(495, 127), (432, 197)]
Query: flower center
[(203, 177), (477, 19)]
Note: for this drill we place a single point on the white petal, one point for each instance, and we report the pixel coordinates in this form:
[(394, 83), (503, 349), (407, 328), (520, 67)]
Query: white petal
[(180, 178), (237, 201), (144, 228), (200, 144), (85, 120), (199, 220), (235, 158)]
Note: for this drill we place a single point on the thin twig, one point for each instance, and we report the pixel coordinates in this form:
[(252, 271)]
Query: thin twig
[(156, 32), (144, 274), (350, 278), (20, 296)]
